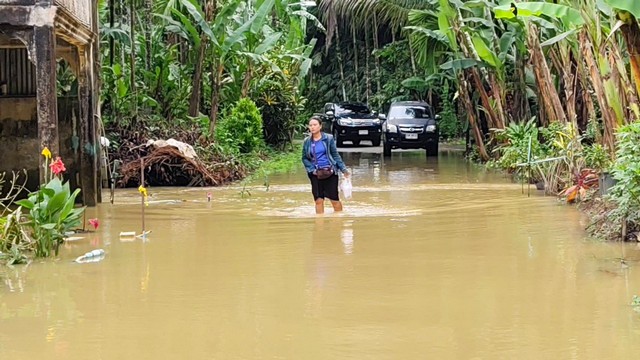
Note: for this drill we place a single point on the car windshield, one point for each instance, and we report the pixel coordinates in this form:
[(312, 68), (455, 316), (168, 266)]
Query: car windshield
[(348, 109), (409, 112)]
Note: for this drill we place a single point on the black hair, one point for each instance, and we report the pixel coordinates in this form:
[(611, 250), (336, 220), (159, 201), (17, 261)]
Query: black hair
[(317, 118)]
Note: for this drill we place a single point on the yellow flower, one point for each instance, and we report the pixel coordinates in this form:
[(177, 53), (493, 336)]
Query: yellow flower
[(46, 153), (143, 190)]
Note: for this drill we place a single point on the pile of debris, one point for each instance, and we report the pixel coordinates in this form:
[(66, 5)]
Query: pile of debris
[(173, 163)]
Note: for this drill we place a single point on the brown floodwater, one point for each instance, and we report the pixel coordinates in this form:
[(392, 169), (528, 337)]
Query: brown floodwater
[(431, 259)]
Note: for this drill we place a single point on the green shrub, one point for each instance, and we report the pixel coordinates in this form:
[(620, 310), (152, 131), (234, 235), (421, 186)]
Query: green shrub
[(51, 215), (514, 148), (241, 128), (280, 105), (626, 171), (597, 157), (450, 126)]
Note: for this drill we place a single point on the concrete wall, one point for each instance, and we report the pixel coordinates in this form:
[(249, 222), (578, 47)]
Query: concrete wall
[(19, 145), (19, 137)]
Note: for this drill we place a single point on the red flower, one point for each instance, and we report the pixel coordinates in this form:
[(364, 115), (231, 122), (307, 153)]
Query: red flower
[(57, 166), (95, 223)]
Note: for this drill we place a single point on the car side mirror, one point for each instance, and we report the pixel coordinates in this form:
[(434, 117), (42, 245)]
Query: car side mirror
[(382, 117), (329, 113), (438, 117)]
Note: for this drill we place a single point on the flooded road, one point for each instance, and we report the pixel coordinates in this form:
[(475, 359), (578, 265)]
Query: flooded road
[(431, 259)]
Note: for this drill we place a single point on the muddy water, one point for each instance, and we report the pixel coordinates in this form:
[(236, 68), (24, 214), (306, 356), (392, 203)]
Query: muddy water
[(431, 259)]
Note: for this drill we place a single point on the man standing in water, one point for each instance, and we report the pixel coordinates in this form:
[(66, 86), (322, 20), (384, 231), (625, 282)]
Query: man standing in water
[(322, 162)]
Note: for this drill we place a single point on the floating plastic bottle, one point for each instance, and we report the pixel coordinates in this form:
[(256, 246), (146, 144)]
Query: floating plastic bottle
[(91, 256)]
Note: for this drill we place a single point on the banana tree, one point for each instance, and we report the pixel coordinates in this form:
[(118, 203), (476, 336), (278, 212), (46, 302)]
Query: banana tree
[(176, 20), (436, 39), (260, 38), (628, 12), (527, 14)]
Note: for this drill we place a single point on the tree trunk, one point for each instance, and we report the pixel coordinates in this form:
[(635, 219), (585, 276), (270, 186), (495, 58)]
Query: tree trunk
[(210, 11), (216, 84), (565, 63), (548, 93), (631, 32), (466, 46), (112, 15), (471, 114), (355, 61), (520, 104), (123, 13), (112, 49), (586, 47), (132, 59), (589, 110), (375, 48), (147, 31), (340, 64), (496, 119), (412, 55), (499, 98), (366, 60), (194, 99), (247, 80)]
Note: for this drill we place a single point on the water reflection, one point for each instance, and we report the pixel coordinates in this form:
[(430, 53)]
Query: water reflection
[(347, 237)]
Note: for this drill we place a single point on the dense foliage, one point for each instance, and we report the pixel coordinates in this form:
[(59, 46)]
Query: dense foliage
[(177, 67), (241, 130), (626, 170)]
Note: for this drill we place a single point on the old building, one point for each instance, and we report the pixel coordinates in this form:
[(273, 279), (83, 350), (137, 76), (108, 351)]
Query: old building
[(36, 37)]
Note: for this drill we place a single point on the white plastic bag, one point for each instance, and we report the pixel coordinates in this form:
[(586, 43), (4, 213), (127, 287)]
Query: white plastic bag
[(346, 187)]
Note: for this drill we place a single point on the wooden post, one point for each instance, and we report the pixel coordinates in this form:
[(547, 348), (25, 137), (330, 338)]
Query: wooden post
[(87, 153), (94, 69), (142, 195), (47, 106)]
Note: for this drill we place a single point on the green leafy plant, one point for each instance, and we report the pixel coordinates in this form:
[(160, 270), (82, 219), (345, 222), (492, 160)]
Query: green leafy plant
[(13, 240), (280, 106), (515, 140), (450, 126), (563, 162), (241, 128), (597, 157), (626, 171), (51, 210), (244, 191)]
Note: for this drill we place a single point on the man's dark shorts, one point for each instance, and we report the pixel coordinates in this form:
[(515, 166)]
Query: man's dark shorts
[(326, 188)]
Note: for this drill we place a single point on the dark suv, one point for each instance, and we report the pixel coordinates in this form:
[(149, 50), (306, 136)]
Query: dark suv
[(410, 125), (354, 122)]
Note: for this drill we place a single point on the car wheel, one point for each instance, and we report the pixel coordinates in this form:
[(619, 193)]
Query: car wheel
[(432, 149), (336, 136), (376, 142), (386, 150)]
